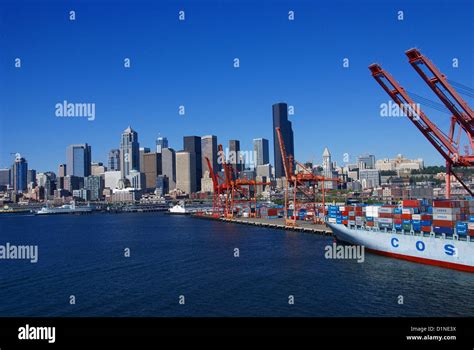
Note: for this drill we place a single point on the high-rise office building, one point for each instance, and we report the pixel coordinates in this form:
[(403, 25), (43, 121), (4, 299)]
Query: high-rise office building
[(5, 177), (186, 172), (142, 152), (328, 170), (168, 166), (61, 174), (261, 153), (192, 144), (114, 160), (78, 160), (31, 177), (161, 142), (209, 150), (366, 161), (20, 175), (129, 152), (234, 157), (151, 169), (280, 119)]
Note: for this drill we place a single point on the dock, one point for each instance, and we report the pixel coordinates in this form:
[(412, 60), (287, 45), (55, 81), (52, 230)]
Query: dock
[(279, 223)]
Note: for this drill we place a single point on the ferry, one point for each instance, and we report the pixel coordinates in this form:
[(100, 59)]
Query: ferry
[(64, 209), (452, 252), (179, 209)]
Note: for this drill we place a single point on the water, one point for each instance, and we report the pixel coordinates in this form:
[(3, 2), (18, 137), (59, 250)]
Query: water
[(172, 256)]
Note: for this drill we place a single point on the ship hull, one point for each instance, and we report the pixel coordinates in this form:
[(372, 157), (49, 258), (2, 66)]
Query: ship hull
[(447, 253)]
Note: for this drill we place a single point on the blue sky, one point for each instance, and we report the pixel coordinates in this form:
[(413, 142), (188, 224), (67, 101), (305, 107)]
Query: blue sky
[(190, 63)]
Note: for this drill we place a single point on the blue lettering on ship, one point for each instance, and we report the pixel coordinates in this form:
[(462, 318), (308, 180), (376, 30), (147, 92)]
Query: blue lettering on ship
[(420, 246), (449, 249), (395, 242)]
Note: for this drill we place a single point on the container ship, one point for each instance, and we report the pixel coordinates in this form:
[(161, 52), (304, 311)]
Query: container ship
[(441, 234)]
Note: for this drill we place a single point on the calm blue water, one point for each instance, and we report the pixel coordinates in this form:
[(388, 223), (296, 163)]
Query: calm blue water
[(172, 256)]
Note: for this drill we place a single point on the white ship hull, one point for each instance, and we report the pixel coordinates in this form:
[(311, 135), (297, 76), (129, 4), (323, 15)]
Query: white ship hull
[(445, 252)]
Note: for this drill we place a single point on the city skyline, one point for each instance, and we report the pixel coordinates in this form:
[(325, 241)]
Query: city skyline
[(334, 106)]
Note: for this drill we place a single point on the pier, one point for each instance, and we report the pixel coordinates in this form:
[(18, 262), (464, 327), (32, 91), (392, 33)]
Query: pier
[(279, 223)]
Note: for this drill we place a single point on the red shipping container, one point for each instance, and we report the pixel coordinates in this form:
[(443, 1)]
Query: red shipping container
[(398, 221), (352, 217), (344, 222), (345, 213), (272, 212), (385, 215), (397, 216), (426, 217), (369, 223), (444, 223), (411, 203), (426, 228), (471, 232), (406, 216), (445, 204)]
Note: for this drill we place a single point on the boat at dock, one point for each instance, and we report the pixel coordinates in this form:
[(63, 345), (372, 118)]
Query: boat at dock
[(64, 209)]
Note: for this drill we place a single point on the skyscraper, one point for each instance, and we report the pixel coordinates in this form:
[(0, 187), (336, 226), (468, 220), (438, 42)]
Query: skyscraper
[(20, 175), (192, 144), (5, 177), (31, 177), (209, 150), (161, 142), (142, 152), (129, 152), (280, 119), (168, 166), (78, 160), (260, 150), (151, 169), (328, 170), (185, 172), (114, 160), (234, 156)]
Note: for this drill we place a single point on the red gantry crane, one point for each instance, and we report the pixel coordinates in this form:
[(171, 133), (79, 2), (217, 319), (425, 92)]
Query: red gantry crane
[(462, 120), (301, 183)]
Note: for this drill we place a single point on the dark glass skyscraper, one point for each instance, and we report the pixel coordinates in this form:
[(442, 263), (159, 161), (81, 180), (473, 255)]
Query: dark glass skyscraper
[(114, 160), (234, 157), (280, 119), (192, 144), (129, 152), (78, 160), (20, 175)]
